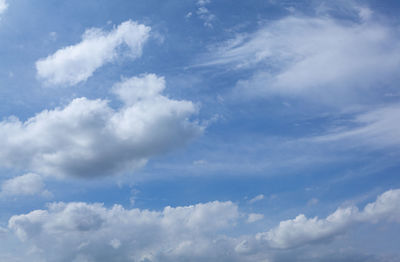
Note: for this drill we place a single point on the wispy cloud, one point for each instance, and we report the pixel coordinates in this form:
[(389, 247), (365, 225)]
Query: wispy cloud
[(205, 14), (379, 128), (256, 198), (314, 57)]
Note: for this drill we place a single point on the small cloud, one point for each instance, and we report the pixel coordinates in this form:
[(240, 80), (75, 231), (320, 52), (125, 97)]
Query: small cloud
[(312, 202), (199, 162), (26, 185), (254, 217), (76, 63), (53, 36), (188, 15), (115, 243), (257, 198)]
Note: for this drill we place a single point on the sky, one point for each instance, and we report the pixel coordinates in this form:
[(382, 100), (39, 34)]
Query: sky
[(199, 130)]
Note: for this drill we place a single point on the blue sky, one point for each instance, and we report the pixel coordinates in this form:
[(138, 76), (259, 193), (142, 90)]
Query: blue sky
[(204, 130)]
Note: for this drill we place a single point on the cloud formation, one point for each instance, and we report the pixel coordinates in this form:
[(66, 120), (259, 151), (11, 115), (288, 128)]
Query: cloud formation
[(312, 56), (92, 232), (26, 185), (88, 138), (76, 63)]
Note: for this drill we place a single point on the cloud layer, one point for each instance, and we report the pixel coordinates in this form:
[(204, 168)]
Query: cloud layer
[(88, 138), (76, 63), (92, 232)]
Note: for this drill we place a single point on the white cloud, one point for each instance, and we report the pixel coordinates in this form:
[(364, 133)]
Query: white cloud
[(88, 138), (318, 57), (3, 6), (26, 185), (254, 217), (378, 128), (73, 64), (73, 231), (302, 230), (204, 14), (99, 234), (256, 198)]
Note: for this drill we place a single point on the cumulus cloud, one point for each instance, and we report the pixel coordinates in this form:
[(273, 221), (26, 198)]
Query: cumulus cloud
[(76, 63), (88, 138), (26, 185), (73, 231), (3, 6), (302, 230), (96, 233), (319, 57)]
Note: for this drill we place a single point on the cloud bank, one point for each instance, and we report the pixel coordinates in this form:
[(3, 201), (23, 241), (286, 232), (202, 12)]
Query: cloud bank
[(76, 63), (88, 138), (92, 232)]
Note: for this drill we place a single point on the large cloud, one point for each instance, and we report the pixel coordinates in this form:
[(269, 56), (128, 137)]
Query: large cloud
[(91, 232), (73, 64), (319, 57), (89, 138), (202, 232)]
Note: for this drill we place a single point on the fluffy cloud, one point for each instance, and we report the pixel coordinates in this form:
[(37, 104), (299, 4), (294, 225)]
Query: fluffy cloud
[(73, 64), (88, 138), (92, 232), (302, 230), (25, 185), (3, 6), (319, 57)]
